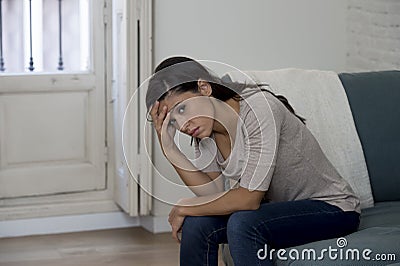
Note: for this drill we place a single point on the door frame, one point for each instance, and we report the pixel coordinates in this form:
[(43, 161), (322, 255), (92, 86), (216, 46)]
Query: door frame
[(133, 179)]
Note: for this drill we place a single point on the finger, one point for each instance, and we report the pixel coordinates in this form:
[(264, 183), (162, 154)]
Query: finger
[(165, 122), (175, 228), (171, 216), (167, 115), (154, 115), (179, 234), (158, 121), (154, 109), (163, 113), (175, 235), (161, 117)]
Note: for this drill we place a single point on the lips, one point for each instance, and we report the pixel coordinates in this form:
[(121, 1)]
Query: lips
[(194, 132)]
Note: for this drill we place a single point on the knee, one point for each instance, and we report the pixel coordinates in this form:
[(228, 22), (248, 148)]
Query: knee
[(191, 226), (195, 227), (239, 224)]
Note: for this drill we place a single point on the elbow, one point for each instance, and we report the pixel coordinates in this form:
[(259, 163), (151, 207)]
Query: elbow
[(254, 205), (251, 200), (251, 204)]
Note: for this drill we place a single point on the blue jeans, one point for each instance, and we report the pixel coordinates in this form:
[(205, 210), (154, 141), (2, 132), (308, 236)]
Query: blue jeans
[(277, 225)]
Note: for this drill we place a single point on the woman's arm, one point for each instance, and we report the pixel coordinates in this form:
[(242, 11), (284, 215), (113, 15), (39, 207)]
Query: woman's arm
[(200, 183), (224, 203), (237, 199)]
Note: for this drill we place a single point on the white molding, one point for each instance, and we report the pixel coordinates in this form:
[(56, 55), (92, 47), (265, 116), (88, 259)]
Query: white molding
[(66, 224), (155, 224), (146, 68), (82, 222), (140, 12), (56, 205)]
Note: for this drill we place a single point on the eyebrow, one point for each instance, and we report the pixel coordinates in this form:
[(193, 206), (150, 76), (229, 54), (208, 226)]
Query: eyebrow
[(175, 105)]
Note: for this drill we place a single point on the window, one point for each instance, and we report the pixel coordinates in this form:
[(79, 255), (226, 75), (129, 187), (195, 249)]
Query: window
[(53, 128), (42, 36)]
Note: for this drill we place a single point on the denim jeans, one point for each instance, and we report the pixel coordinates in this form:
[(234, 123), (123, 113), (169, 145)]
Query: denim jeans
[(277, 225)]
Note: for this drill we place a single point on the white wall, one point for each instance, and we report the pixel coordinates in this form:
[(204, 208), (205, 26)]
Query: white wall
[(373, 35), (254, 34)]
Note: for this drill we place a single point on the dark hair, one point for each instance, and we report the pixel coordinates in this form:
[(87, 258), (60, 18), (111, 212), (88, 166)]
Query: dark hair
[(181, 74)]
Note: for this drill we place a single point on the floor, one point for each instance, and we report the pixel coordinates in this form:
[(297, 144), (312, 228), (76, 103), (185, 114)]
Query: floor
[(117, 247)]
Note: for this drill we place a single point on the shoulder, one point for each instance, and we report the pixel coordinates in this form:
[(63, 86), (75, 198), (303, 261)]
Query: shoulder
[(261, 105)]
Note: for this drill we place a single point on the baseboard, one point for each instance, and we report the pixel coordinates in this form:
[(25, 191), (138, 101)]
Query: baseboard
[(66, 224), (155, 224), (82, 222)]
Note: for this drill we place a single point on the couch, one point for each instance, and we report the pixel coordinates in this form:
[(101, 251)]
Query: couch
[(374, 99)]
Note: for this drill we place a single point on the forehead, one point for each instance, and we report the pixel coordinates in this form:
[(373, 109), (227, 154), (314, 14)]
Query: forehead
[(173, 99)]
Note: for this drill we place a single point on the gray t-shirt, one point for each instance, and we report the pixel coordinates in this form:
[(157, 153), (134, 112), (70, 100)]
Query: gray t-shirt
[(273, 151)]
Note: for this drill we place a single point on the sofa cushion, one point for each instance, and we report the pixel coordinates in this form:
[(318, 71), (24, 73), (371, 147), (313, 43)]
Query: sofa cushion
[(383, 214), (380, 240), (374, 99), (379, 231)]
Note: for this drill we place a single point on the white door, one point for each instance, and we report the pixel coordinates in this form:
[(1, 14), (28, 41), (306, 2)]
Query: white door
[(52, 122)]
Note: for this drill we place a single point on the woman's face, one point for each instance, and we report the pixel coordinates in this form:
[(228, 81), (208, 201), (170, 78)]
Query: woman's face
[(191, 113)]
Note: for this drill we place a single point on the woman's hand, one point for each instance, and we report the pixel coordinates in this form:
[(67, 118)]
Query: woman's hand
[(176, 219), (165, 131)]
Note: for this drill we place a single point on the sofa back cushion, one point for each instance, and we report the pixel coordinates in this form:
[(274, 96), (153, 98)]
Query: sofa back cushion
[(374, 99), (320, 97)]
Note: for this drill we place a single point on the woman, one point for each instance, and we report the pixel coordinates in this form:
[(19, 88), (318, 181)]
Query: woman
[(287, 192)]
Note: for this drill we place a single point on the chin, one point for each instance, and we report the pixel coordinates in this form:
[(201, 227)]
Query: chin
[(204, 135)]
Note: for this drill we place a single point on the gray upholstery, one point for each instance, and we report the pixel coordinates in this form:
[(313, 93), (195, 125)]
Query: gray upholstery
[(383, 214), (374, 99), (379, 231), (380, 240)]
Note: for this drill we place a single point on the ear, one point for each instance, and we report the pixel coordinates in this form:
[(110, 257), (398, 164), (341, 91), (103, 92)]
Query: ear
[(204, 87)]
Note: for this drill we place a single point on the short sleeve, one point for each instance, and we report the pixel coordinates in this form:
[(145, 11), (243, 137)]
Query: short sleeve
[(206, 156), (261, 128)]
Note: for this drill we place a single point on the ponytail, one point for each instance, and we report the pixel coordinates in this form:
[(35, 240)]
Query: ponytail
[(285, 102)]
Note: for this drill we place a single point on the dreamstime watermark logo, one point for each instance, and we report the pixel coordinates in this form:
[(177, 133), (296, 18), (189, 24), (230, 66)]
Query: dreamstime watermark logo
[(339, 252)]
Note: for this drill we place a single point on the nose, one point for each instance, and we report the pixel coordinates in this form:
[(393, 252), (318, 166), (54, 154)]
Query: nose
[(182, 124)]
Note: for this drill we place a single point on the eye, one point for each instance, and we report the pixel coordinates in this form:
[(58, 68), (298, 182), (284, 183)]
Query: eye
[(181, 109), (172, 122)]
